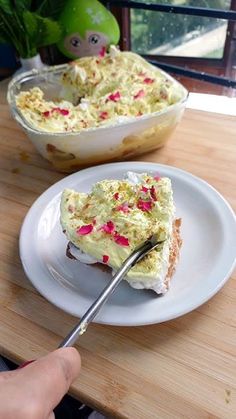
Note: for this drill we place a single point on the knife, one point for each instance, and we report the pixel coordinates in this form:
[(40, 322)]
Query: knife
[(93, 310)]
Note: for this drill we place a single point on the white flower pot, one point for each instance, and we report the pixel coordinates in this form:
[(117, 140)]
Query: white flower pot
[(29, 64)]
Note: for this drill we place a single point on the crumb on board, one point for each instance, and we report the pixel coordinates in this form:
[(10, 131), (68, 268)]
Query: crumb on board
[(15, 170), (24, 156), (227, 397)]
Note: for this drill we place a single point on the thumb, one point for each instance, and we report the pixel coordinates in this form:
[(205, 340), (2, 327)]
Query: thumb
[(49, 378)]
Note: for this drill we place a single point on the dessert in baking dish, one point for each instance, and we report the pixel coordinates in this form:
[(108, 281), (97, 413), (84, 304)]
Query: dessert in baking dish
[(100, 91)]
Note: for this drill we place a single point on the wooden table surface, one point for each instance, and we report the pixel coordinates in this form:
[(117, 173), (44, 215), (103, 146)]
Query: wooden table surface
[(185, 368)]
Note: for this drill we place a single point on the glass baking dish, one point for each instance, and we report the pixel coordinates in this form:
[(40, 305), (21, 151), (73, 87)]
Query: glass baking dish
[(70, 151)]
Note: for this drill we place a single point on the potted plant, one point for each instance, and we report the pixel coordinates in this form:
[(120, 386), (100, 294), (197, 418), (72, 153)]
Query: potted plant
[(29, 25)]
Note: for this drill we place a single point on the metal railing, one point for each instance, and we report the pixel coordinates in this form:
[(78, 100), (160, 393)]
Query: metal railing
[(184, 10)]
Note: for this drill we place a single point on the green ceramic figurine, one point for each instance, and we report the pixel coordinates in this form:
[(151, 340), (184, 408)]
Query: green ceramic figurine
[(89, 28)]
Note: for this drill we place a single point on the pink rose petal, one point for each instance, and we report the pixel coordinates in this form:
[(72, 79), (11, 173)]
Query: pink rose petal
[(144, 205), (61, 111), (141, 93), (103, 115), (144, 189), (46, 114), (116, 196), (85, 229), (64, 112), (114, 97), (147, 80), (105, 258), (121, 240), (123, 207), (108, 228)]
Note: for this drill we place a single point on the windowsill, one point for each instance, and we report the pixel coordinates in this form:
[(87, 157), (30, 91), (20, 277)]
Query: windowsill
[(212, 103)]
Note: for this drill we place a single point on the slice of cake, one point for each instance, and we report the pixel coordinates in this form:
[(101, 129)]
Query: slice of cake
[(107, 224)]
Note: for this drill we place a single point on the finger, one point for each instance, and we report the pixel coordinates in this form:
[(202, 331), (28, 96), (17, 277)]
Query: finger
[(6, 376), (49, 378)]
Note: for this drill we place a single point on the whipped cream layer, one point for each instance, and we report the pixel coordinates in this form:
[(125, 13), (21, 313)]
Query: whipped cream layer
[(108, 223), (100, 91)]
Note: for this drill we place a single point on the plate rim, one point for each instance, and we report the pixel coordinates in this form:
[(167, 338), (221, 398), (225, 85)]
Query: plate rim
[(42, 200)]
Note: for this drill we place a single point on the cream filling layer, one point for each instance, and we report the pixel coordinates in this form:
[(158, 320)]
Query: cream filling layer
[(156, 283)]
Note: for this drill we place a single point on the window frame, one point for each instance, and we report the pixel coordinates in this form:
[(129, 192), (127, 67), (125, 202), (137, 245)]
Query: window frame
[(222, 67)]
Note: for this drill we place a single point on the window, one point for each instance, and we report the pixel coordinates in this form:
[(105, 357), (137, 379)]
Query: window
[(172, 34), (177, 36)]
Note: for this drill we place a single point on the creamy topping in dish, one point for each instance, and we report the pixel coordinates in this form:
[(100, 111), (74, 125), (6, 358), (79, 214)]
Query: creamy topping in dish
[(108, 223), (100, 91)]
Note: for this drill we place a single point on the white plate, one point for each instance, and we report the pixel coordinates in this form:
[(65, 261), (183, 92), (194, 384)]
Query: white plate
[(206, 262)]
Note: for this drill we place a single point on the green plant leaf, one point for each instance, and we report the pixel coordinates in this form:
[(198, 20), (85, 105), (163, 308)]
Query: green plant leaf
[(12, 33), (21, 5), (3, 37), (31, 24), (2, 33), (6, 6), (51, 32), (49, 8), (41, 31)]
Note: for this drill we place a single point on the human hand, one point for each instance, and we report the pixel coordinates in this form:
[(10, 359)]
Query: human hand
[(34, 391)]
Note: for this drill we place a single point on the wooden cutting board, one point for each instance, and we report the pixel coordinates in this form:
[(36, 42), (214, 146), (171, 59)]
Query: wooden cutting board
[(184, 368)]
